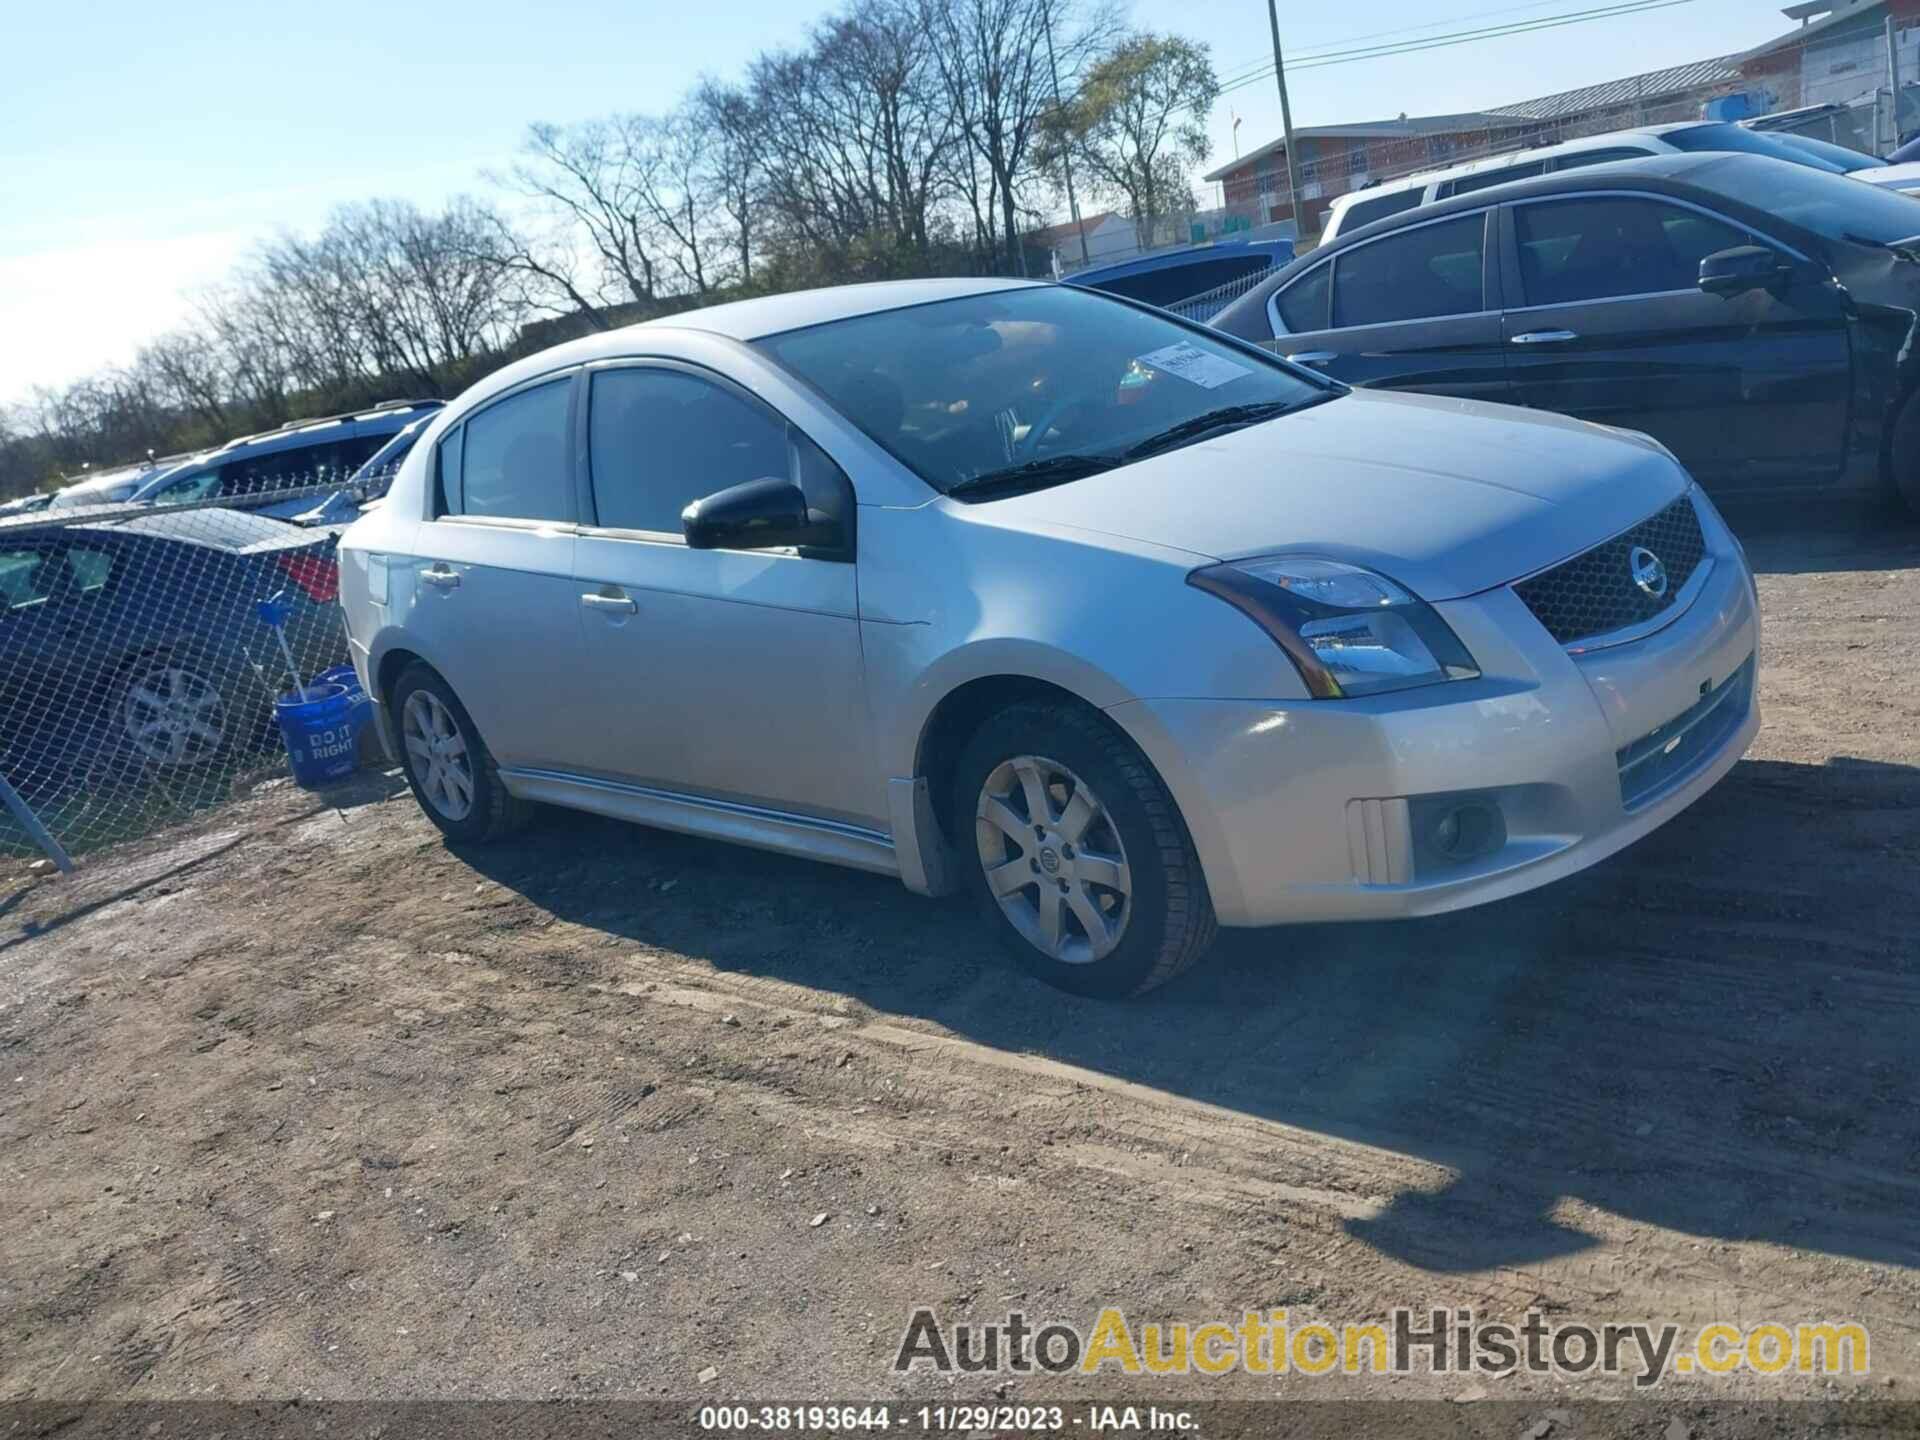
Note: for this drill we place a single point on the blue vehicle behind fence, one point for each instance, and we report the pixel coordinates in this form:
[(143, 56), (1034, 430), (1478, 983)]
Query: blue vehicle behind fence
[(1197, 281), (250, 472)]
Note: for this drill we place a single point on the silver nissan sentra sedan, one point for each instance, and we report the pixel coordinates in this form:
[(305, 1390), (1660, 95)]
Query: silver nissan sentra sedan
[(1124, 627)]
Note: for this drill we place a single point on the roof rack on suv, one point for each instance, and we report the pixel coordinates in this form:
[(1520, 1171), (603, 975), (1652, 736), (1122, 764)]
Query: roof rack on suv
[(357, 411)]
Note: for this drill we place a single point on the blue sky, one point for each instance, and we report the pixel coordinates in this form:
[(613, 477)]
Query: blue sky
[(144, 148)]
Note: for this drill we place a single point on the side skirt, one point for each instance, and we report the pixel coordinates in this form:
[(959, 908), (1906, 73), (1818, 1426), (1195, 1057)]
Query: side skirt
[(833, 841)]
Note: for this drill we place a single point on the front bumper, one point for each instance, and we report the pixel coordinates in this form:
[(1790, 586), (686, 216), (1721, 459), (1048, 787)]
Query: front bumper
[(1310, 810)]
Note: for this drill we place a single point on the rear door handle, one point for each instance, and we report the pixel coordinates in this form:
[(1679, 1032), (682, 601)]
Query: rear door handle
[(440, 578), (1314, 357), (611, 601), (1546, 337)]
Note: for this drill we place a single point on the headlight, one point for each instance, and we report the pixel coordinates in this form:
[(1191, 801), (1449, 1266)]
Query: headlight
[(1348, 630)]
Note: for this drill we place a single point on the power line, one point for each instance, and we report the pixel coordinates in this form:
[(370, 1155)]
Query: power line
[(1308, 52), (1461, 37)]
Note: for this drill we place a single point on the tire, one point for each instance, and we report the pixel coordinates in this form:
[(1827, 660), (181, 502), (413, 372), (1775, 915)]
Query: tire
[(466, 770), (1904, 459), (1160, 909), (173, 710)]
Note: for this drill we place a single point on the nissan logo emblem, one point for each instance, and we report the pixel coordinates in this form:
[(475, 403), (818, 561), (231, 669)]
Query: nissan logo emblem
[(1647, 571)]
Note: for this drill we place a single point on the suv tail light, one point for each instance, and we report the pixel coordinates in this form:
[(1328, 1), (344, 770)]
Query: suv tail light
[(316, 575)]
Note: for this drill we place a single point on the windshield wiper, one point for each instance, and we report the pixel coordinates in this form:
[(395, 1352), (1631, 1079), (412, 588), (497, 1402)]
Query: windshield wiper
[(1228, 417), (1033, 475)]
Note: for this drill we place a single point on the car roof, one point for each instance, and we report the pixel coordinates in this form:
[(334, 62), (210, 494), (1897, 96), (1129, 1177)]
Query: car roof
[(1523, 156), (235, 531)]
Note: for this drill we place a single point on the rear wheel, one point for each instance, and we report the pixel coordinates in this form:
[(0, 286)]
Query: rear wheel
[(1076, 854), (174, 711), (448, 765)]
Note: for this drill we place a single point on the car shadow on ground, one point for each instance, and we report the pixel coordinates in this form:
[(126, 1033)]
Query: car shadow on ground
[(1711, 1032), (1862, 536)]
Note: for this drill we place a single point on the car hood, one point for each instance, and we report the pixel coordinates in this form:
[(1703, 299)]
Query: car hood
[(1892, 177), (1450, 497)]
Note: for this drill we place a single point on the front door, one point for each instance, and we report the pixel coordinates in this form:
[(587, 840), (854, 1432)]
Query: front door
[(728, 675), (1607, 322)]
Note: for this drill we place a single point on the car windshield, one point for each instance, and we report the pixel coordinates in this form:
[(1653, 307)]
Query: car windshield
[(1829, 205), (1746, 142), (1036, 386)]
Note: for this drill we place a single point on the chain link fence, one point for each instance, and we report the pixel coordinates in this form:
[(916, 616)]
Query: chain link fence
[(139, 662)]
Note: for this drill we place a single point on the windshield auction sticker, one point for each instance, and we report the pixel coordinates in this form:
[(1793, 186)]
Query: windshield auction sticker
[(1191, 363)]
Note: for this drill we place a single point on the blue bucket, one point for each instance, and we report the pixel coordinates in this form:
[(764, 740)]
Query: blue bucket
[(323, 732)]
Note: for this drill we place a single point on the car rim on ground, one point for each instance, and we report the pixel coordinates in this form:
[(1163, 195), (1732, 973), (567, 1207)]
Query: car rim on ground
[(438, 753), (1053, 859), (174, 716)]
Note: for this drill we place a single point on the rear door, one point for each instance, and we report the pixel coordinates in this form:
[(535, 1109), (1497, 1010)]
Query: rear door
[(491, 593), (1606, 321), (1416, 309)]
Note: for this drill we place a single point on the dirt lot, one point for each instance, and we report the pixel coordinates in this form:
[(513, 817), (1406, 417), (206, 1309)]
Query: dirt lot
[(298, 1102)]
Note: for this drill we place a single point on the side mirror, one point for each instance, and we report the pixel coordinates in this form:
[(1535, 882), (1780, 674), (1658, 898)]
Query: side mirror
[(757, 515), (1743, 268)]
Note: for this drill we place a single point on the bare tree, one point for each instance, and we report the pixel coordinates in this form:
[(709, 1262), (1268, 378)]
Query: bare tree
[(992, 56), (1137, 124), (725, 117)]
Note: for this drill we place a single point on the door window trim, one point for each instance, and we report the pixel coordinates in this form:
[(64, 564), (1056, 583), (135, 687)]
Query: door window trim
[(434, 497), (588, 507), (1510, 243)]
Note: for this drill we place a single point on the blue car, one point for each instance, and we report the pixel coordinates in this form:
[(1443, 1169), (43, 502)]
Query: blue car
[(133, 644), (276, 473)]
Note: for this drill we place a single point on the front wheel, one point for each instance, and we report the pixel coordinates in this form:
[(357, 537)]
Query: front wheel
[(1076, 853)]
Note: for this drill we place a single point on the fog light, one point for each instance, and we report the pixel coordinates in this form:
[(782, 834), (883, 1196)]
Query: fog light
[(1452, 830)]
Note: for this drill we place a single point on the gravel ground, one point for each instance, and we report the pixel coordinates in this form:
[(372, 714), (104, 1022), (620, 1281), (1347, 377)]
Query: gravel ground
[(300, 1102)]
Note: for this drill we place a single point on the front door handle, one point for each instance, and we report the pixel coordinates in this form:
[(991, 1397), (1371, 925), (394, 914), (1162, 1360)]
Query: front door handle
[(1546, 337), (613, 602), (440, 578), (1314, 357)]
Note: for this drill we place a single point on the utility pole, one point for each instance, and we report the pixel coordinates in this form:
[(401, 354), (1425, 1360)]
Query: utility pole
[(1066, 153), (1286, 125), (1893, 83)]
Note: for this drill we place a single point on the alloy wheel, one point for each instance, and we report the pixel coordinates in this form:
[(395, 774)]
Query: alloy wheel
[(442, 765), (1053, 859), (174, 716)]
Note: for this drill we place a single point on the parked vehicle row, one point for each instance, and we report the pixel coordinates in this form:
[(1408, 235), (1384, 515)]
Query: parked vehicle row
[(1126, 626), (1753, 317), (1395, 197)]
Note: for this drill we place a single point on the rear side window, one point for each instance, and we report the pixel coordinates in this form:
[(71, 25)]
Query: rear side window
[(660, 439), (1579, 159), (1363, 212), (1607, 248), (1482, 179), (514, 465), (1303, 304), (1417, 274)]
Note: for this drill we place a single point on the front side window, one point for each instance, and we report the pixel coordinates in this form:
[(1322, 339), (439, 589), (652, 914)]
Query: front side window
[(199, 485), (1303, 304), (1609, 247), (24, 577), (515, 461), (659, 439), (1417, 274), (960, 390)]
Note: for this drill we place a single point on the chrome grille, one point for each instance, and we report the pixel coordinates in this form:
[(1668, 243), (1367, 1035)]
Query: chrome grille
[(1594, 592)]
